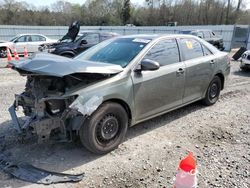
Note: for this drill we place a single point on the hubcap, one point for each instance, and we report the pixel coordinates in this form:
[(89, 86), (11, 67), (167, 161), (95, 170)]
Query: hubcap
[(213, 90), (107, 128)]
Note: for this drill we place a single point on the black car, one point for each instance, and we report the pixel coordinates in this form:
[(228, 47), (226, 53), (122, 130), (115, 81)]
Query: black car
[(70, 47), (207, 35)]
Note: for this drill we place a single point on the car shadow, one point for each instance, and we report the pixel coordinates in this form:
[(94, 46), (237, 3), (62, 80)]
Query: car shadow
[(62, 157)]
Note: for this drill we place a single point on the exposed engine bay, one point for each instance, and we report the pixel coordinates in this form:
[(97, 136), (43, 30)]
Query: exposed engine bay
[(48, 112)]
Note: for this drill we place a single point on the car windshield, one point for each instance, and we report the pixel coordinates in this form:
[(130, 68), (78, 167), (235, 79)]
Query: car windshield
[(13, 39), (115, 51)]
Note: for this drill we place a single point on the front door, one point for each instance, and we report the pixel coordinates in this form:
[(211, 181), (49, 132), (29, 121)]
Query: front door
[(20, 43), (162, 89)]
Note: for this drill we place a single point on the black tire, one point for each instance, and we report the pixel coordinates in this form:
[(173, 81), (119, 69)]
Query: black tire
[(105, 129), (3, 52), (244, 69), (67, 55), (213, 92)]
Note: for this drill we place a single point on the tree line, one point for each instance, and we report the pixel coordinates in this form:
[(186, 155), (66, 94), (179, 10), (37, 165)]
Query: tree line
[(122, 12)]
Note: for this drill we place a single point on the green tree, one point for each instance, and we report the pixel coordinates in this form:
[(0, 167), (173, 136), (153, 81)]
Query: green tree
[(126, 11)]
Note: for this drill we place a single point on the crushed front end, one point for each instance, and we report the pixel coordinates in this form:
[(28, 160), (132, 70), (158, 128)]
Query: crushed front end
[(46, 110), (54, 100)]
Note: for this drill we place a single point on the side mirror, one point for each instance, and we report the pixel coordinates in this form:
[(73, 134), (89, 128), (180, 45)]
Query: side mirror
[(83, 42), (148, 65)]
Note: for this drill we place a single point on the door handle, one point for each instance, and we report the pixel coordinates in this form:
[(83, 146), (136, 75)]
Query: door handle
[(180, 71)]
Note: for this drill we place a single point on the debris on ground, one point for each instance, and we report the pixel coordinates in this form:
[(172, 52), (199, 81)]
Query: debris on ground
[(27, 172)]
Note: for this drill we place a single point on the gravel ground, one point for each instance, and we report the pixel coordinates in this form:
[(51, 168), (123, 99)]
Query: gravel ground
[(217, 135)]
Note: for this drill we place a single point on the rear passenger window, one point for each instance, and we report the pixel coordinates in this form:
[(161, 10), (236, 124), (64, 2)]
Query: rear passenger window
[(164, 52), (36, 38), (191, 48), (41, 38), (206, 51)]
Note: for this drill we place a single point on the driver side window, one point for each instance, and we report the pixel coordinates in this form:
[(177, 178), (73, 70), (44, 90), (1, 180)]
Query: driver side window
[(92, 38), (21, 39), (165, 52)]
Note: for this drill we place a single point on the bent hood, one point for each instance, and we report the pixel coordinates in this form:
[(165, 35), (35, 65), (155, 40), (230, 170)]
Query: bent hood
[(54, 65), (73, 31)]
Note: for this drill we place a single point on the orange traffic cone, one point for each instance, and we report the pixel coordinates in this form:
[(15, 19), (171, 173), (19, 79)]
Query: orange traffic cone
[(25, 53), (186, 176), (16, 54), (9, 56)]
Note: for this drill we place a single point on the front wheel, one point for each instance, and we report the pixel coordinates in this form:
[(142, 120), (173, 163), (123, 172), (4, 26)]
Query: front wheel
[(3, 52), (67, 55), (213, 92), (105, 129)]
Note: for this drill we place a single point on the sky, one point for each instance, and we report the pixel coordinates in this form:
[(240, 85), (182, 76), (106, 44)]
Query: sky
[(49, 2)]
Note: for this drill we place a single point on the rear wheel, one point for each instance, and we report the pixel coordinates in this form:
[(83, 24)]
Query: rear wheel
[(213, 92), (105, 129)]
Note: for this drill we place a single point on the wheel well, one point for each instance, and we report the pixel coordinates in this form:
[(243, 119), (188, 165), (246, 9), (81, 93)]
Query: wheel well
[(222, 78), (124, 105), (67, 53), (4, 47)]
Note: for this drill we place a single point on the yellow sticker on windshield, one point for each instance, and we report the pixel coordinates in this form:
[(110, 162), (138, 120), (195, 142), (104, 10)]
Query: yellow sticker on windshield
[(189, 45)]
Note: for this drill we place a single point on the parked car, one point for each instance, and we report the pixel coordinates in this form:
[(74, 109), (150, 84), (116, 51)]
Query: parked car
[(116, 84), (30, 41), (72, 47), (245, 60), (207, 35)]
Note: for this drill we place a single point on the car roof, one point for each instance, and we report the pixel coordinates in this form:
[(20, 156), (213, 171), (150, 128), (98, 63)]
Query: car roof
[(23, 34), (155, 36)]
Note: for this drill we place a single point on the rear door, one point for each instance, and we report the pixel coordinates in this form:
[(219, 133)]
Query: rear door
[(36, 41), (162, 89), (200, 64)]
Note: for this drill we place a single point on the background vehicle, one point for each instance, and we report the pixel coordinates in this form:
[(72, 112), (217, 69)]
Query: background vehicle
[(30, 41), (73, 46), (245, 60), (209, 36), (116, 84)]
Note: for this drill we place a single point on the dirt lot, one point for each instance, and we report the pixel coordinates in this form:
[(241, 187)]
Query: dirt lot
[(218, 135)]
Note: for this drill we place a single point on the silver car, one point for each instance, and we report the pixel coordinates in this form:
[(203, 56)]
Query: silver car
[(30, 41), (116, 84)]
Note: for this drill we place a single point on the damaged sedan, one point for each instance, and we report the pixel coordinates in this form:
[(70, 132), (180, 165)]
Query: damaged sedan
[(114, 85)]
